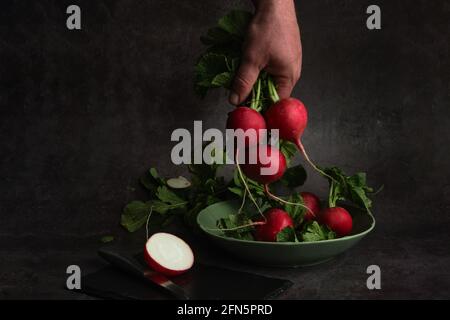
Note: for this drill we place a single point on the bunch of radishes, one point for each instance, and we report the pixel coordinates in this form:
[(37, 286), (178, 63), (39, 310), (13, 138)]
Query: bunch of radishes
[(289, 116), (217, 67)]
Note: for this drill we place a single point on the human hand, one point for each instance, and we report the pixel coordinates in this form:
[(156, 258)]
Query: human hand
[(273, 44)]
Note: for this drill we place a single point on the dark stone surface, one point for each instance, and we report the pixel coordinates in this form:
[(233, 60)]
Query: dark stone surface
[(84, 113)]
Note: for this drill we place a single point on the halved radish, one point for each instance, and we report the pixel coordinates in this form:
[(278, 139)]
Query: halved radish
[(168, 254)]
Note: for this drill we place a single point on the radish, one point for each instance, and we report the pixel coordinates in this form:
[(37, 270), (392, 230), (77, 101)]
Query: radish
[(168, 254), (276, 220), (338, 220), (290, 117), (276, 164), (275, 160), (246, 119), (313, 203)]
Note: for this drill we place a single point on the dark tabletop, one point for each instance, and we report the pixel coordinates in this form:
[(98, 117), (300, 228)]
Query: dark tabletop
[(412, 268), (84, 113)]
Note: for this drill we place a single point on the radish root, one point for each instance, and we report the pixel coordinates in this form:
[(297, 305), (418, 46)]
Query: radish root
[(247, 190), (303, 151), (146, 224), (274, 197), (243, 202)]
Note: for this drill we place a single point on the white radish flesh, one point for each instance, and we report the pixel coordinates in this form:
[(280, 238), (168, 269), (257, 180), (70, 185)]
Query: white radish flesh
[(168, 254)]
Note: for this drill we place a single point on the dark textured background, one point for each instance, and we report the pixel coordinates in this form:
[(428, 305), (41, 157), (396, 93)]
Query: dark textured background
[(85, 113)]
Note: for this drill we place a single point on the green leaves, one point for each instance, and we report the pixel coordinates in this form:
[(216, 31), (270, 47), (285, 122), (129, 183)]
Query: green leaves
[(162, 200), (296, 212), (230, 28), (351, 188), (217, 66), (237, 191), (294, 177), (359, 190), (238, 188), (151, 180), (222, 80), (217, 36), (232, 227), (288, 149), (169, 197), (287, 235), (315, 232), (107, 239), (212, 71), (235, 22), (135, 215), (312, 231), (209, 66)]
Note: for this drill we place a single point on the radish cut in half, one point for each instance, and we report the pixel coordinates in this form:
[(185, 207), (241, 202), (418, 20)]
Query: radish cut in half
[(168, 254)]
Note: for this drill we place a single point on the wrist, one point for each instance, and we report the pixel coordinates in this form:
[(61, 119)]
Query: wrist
[(271, 4), (270, 10)]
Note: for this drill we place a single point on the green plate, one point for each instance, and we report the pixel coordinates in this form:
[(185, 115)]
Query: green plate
[(282, 254)]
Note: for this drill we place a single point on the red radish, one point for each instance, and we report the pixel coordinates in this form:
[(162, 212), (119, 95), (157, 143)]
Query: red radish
[(338, 220), (276, 164), (311, 201), (168, 254), (246, 118), (290, 117), (277, 220), (266, 170)]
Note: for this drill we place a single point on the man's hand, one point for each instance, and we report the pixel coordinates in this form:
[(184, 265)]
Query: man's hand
[(273, 44)]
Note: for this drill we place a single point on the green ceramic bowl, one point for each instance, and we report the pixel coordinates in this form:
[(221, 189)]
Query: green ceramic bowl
[(282, 254)]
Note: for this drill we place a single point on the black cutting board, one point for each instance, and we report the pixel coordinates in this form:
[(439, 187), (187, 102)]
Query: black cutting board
[(201, 282)]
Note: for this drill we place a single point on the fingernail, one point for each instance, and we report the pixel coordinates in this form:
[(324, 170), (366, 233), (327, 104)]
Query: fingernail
[(234, 98)]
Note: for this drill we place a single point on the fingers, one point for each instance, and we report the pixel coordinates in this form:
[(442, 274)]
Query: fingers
[(243, 82), (284, 86), (285, 78)]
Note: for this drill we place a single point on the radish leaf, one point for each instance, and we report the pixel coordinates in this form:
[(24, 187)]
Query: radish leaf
[(351, 188), (235, 22), (216, 36), (287, 235), (135, 215), (296, 212), (288, 149), (107, 239), (294, 177), (168, 196), (235, 222), (315, 232)]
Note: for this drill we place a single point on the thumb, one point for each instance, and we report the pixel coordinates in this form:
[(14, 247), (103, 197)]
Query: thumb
[(284, 86), (243, 82)]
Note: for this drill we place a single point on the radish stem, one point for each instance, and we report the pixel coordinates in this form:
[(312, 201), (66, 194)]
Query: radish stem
[(272, 90), (254, 99), (258, 95), (330, 201)]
